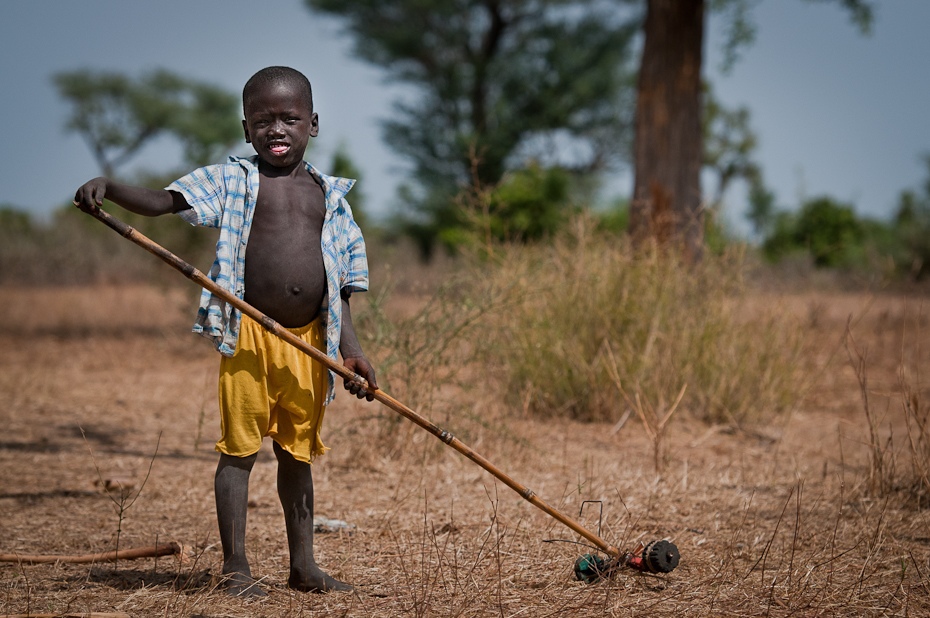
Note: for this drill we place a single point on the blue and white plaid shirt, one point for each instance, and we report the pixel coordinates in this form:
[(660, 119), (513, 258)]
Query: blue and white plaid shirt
[(224, 196)]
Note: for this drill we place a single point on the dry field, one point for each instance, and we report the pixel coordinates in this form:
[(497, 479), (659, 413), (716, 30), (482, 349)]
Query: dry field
[(106, 384)]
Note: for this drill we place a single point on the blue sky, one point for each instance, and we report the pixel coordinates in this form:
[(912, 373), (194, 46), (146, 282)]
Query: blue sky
[(837, 113)]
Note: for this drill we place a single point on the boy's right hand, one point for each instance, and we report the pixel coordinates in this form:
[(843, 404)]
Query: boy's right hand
[(89, 197)]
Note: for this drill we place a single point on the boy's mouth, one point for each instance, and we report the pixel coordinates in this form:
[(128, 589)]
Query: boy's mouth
[(278, 148)]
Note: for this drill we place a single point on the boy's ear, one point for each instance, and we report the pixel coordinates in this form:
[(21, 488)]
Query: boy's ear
[(314, 125), (245, 129)]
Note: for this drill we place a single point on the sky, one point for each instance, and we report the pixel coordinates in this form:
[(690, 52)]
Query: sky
[(837, 113)]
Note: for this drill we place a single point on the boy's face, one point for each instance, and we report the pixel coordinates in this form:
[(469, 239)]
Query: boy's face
[(279, 123)]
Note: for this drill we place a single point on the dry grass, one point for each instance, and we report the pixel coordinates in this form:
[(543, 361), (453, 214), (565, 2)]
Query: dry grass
[(587, 312), (775, 522)]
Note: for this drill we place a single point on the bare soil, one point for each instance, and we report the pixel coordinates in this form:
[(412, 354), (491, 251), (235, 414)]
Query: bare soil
[(105, 386)]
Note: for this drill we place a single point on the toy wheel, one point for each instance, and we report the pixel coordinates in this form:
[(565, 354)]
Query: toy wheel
[(661, 557), (590, 568)]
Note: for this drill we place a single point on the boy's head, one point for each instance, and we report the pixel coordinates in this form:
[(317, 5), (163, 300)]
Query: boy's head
[(271, 76), (279, 119)]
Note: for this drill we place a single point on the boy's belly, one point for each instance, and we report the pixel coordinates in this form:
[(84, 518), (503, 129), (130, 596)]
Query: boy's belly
[(288, 288)]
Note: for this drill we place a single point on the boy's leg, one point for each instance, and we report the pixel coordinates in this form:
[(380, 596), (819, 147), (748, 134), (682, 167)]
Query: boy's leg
[(295, 488), (231, 486)]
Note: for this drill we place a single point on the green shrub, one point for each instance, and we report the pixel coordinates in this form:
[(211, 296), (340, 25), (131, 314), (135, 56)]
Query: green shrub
[(827, 230)]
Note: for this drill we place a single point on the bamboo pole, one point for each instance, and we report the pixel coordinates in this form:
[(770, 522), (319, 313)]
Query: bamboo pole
[(153, 551), (70, 615), (198, 277)]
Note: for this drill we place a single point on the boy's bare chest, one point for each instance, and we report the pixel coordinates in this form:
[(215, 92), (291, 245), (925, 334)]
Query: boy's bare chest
[(284, 272), (288, 215)]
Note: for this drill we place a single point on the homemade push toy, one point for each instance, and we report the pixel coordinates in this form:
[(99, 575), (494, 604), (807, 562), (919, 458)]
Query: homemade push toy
[(654, 557)]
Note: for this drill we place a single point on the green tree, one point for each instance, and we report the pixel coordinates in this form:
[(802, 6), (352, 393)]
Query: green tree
[(528, 204), (912, 229), (500, 83), (343, 165), (826, 229), (118, 115), (729, 146), (667, 153), (762, 211), (729, 155)]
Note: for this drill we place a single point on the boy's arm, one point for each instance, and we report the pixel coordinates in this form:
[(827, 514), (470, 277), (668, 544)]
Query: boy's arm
[(142, 201), (352, 356)]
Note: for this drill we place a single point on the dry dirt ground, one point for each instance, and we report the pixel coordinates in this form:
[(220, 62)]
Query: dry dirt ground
[(106, 384)]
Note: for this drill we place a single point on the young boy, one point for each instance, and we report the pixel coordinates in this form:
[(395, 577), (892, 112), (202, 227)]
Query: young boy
[(289, 246)]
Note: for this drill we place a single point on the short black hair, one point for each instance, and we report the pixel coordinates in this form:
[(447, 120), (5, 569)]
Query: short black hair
[(275, 75)]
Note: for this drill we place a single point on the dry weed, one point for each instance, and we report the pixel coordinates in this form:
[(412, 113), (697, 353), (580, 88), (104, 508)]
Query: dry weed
[(895, 470), (664, 325)]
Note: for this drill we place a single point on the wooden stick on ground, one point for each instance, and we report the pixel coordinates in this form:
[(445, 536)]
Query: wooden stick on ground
[(153, 551), (70, 615)]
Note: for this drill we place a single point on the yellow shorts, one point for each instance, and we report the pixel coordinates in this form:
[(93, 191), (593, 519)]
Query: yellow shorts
[(270, 388)]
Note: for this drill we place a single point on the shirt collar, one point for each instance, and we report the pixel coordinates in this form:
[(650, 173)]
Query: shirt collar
[(335, 187)]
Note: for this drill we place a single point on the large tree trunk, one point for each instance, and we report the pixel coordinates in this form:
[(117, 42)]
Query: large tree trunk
[(667, 202)]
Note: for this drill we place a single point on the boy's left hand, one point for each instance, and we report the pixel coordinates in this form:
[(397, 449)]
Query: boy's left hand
[(361, 366)]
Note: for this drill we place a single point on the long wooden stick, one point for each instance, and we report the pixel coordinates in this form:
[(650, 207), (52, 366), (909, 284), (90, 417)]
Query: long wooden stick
[(198, 277), (153, 551), (70, 615)]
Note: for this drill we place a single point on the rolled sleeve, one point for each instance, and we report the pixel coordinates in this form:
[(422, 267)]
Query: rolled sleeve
[(355, 266), (205, 190)]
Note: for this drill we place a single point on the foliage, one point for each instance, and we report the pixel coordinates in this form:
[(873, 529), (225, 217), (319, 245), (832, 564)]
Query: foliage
[(830, 230), (529, 204), (912, 229), (729, 146), (826, 229), (861, 12), (343, 165), (761, 212), (499, 84), (833, 235), (615, 219), (740, 29), (118, 115)]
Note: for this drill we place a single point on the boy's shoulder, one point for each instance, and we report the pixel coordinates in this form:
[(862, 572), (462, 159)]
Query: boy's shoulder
[(338, 185)]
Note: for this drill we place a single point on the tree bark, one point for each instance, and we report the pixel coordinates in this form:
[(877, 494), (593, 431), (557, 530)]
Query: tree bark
[(667, 202)]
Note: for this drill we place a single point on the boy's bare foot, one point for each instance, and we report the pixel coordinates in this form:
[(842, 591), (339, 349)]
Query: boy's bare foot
[(315, 580), (242, 585)]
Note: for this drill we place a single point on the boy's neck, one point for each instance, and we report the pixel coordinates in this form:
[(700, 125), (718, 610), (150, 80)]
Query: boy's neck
[(271, 171)]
